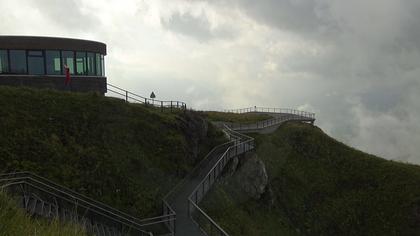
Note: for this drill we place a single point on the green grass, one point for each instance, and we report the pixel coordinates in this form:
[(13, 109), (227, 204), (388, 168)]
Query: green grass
[(14, 221), (245, 118), (126, 155), (321, 187)]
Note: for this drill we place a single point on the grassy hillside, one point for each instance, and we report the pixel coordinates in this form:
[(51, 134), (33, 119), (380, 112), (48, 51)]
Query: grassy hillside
[(125, 155), (14, 221), (244, 118), (321, 187)]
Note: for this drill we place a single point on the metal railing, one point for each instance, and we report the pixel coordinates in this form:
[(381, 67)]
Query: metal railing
[(166, 220), (67, 199), (135, 98), (271, 122), (238, 144), (272, 110), (196, 170), (241, 144)]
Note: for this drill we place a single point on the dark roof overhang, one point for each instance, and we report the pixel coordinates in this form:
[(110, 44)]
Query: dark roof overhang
[(51, 43)]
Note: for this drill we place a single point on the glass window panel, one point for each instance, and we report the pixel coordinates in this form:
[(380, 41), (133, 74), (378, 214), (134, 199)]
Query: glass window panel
[(35, 63), (98, 64), (17, 61), (80, 63), (102, 65), (90, 57), (35, 53), (53, 62), (68, 59), (4, 62)]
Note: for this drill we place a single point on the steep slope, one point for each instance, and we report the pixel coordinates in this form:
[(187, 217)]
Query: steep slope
[(125, 155), (318, 186)]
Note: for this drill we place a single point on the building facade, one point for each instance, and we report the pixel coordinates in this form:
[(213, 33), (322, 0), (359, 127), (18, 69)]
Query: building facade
[(40, 61)]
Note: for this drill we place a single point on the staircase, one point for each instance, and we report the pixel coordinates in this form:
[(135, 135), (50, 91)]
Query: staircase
[(181, 212), (239, 145), (45, 199)]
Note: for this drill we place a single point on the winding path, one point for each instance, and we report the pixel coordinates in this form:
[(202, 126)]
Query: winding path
[(181, 210), (201, 177)]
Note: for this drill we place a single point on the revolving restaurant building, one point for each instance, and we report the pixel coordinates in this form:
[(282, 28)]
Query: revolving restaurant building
[(40, 61)]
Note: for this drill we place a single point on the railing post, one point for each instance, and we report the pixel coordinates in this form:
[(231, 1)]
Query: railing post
[(126, 95), (161, 106), (196, 197), (171, 106)]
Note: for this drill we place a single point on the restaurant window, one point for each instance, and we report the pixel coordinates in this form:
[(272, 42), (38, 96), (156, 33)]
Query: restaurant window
[(98, 64), (17, 61), (53, 61), (36, 63), (102, 65), (80, 63), (90, 59), (68, 60), (4, 62)]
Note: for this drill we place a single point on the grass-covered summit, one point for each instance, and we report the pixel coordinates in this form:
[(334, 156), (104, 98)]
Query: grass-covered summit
[(122, 154), (319, 186)]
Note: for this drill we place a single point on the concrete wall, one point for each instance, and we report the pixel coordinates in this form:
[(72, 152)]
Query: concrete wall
[(77, 84)]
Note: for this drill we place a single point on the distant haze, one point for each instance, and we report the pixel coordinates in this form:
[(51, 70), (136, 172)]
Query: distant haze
[(354, 63)]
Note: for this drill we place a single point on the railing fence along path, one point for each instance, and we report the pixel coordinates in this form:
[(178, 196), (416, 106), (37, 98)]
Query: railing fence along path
[(271, 110), (42, 197), (242, 144), (279, 116), (135, 98)]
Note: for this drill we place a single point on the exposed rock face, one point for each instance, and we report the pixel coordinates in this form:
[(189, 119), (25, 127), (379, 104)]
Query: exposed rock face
[(252, 176), (232, 166), (195, 129)]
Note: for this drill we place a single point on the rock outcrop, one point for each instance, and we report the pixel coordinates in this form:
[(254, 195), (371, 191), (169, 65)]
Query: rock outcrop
[(195, 129), (252, 176)]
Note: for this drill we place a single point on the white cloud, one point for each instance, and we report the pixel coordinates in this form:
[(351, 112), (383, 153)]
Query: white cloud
[(354, 63)]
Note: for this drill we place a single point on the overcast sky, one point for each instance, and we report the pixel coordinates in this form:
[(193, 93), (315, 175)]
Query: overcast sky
[(354, 63)]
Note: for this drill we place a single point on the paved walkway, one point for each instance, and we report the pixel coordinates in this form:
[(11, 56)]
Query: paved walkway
[(179, 199), (266, 126)]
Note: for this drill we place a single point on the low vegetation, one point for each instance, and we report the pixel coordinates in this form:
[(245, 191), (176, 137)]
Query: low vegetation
[(14, 221), (244, 118), (125, 155), (319, 186)]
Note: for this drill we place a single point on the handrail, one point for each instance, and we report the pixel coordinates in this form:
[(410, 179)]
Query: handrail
[(132, 97), (271, 110), (70, 192), (192, 172), (242, 144), (268, 123), (133, 225), (46, 186), (170, 217)]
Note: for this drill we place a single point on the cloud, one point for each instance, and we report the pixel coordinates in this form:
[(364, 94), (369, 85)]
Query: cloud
[(197, 26), (303, 17), (355, 63), (186, 24), (69, 14)]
